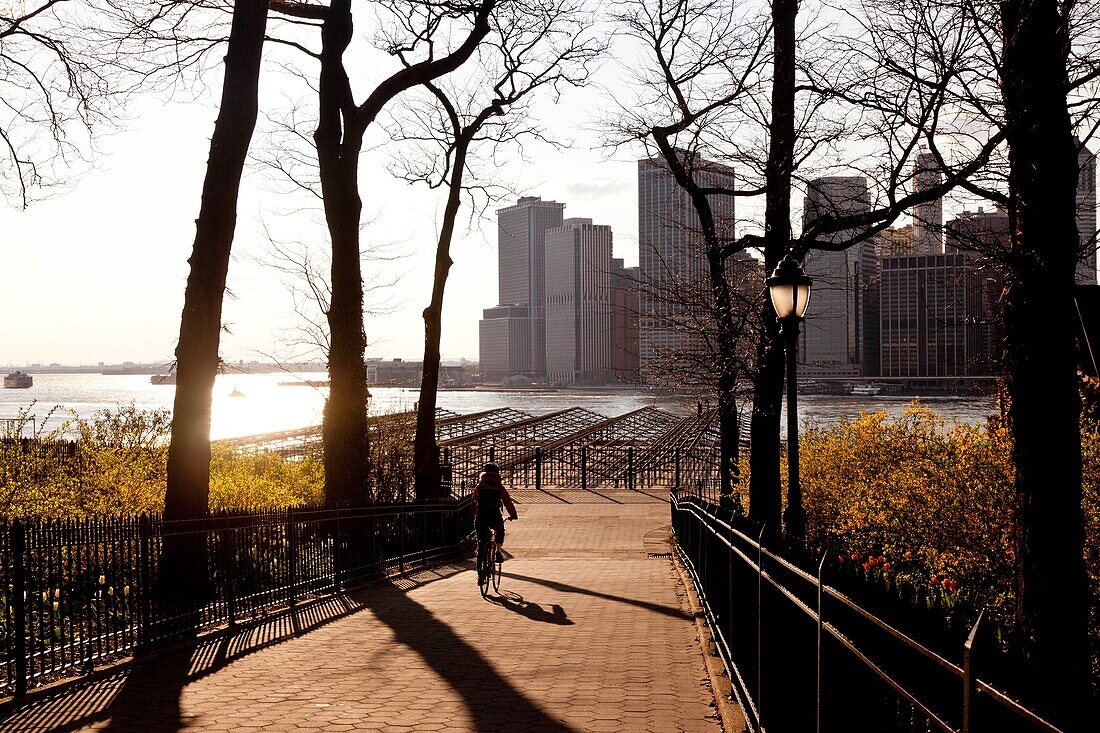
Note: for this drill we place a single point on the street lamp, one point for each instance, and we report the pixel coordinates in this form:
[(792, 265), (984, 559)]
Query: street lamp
[(789, 288)]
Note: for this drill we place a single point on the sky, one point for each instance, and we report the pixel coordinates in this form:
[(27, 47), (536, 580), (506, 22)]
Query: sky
[(97, 271)]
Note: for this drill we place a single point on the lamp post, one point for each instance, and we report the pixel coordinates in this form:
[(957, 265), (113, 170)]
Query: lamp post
[(789, 288)]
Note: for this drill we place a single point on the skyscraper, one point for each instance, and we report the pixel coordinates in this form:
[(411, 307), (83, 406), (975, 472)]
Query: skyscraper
[(927, 217), (672, 261), (513, 334), (1086, 215), (578, 302), (625, 307), (842, 324)]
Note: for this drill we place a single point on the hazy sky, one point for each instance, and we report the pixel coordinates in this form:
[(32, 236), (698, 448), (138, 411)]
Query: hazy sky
[(97, 272)]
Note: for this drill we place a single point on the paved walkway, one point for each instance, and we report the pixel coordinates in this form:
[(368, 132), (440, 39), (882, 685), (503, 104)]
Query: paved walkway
[(589, 634)]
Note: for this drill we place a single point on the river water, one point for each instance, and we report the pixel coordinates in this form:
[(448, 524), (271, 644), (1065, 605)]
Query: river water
[(264, 405)]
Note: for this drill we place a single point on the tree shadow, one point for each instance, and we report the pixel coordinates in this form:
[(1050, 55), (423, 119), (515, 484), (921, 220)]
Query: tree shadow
[(675, 612), (516, 603), (493, 702), (146, 695)]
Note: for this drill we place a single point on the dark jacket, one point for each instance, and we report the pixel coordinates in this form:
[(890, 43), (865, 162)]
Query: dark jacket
[(490, 497)]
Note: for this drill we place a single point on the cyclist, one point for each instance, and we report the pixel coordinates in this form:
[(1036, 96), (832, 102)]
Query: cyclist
[(489, 499)]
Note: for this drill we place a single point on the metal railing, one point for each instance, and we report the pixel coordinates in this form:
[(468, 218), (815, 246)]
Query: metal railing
[(802, 656), (76, 592)]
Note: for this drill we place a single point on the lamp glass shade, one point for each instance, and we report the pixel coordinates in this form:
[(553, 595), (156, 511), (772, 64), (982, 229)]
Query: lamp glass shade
[(790, 299)]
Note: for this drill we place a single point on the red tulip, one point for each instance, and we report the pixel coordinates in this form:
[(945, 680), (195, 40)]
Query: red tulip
[(935, 580), (908, 555), (885, 566), (866, 566), (840, 559)]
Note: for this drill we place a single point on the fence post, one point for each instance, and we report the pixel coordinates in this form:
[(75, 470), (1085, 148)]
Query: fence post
[(760, 628), (401, 547), (538, 468), (731, 620), (492, 453), (336, 559), (226, 553), (676, 483), (584, 468), (969, 678), (820, 625), (630, 467), (292, 556), (145, 537), (19, 603)]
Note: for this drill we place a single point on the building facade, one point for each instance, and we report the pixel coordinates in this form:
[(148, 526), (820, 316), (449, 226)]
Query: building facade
[(672, 264), (504, 342), (927, 217), (1086, 215), (933, 311), (840, 331), (625, 309), (578, 303)]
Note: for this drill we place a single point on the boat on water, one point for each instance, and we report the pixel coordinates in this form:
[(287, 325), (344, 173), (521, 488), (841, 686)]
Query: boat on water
[(236, 393), (18, 380), (868, 390), (163, 378)]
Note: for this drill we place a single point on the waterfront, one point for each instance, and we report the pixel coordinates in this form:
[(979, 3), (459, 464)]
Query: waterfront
[(265, 405)]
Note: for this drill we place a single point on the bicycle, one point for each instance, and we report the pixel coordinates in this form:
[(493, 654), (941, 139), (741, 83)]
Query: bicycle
[(489, 568)]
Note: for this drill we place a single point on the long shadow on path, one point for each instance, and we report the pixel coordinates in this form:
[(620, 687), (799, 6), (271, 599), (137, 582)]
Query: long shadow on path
[(494, 703), (146, 696), (674, 611)]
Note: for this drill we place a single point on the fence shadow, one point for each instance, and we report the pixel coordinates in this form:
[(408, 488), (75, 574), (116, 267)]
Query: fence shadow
[(146, 696)]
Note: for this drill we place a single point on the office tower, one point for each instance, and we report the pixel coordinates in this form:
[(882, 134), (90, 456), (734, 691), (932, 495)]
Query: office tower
[(980, 232), (982, 236), (625, 307), (504, 343), (842, 321), (894, 241), (672, 263), (933, 310), (927, 217), (1086, 214), (513, 334), (578, 303)]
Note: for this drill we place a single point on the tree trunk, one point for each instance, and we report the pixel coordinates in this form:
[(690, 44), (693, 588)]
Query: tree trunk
[(339, 141), (765, 489), (188, 491), (425, 449), (1041, 367)]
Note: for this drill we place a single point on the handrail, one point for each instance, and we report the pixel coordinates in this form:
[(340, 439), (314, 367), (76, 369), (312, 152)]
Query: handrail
[(719, 529)]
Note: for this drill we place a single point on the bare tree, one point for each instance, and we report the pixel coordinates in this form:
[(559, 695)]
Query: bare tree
[(707, 58), (534, 46), (54, 92)]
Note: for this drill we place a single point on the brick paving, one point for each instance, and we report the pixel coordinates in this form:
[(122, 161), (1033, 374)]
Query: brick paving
[(589, 634)]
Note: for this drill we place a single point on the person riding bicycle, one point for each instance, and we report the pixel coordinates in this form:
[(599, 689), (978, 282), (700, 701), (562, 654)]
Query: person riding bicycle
[(489, 499)]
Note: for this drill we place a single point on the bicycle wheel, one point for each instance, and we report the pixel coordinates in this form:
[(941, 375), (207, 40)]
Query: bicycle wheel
[(496, 567), (484, 571)]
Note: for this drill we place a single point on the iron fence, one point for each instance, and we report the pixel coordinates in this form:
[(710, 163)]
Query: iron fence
[(802, 656), (75, 592)]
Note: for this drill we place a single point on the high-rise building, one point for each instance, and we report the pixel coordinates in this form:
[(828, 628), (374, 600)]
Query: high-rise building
[(894, 241), (578, 303), (518, 346), (933, 311), (840, 333), (927, 217), (672, 262), (983, 236), (1086, 215), (625, 307), (505, 342)]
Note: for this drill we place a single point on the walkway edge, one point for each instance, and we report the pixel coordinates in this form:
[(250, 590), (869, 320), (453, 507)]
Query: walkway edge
[(733, 718)]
